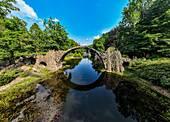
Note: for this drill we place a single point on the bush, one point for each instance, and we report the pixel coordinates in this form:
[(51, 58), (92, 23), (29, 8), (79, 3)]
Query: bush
[(125, 56), (79, 55), (5, 79), (23, 74), (11, 72), (156, 72), (3, 71)]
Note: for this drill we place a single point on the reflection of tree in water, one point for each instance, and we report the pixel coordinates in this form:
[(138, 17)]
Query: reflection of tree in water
[(72, 63), (132, 102), (97, 65)]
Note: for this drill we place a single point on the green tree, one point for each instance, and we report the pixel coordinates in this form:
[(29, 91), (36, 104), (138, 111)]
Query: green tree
[(37, 37), (34, 28), (6, 6), (11, 35), (149, 35), (56, 32)]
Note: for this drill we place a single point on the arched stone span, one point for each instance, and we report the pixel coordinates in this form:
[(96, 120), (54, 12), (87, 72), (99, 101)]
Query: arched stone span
[(81, 47), (111, 59)]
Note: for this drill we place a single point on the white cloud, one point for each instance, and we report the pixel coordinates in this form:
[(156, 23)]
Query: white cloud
[(27, 13), (96, 37), (25, 10), (84, 44), (87, 39), (105, 30), (54, 20)]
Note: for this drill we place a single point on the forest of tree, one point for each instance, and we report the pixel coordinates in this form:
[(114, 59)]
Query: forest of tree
[(16, 40), (143, 32)]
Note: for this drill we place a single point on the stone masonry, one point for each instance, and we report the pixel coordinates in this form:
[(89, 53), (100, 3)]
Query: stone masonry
[(111, 59)]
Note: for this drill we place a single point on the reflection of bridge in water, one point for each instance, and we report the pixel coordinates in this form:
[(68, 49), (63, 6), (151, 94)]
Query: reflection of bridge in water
[(102, 80), (111, 59)]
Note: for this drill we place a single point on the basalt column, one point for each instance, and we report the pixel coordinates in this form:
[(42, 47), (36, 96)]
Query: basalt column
[(113, 60), (89, 54)]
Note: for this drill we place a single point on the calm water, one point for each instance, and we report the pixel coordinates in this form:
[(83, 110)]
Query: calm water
[(97, 104), (83, 94)]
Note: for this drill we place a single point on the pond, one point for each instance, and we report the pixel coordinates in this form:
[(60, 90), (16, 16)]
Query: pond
[(81, 93)]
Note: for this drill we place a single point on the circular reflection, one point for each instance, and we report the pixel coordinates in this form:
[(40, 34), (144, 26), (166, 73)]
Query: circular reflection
[(99, 82)]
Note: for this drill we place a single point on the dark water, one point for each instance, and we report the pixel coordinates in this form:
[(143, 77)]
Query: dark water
[(83, 94), (95, 104)]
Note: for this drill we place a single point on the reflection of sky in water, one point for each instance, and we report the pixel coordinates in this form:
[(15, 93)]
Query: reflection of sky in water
[(97, 105), (83, 74)]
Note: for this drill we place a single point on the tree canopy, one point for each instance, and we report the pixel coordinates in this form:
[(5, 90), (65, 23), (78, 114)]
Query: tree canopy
[(144, 30), (15, 40)]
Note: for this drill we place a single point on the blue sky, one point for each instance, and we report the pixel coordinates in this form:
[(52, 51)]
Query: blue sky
[(85, 19)]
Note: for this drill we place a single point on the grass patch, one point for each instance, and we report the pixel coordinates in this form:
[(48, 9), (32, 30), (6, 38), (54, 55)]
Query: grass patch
[(9, 95), (16, 91), (23, 74), (157, 71), (65, 67), (6, 76), (127, 72), (5, 79)]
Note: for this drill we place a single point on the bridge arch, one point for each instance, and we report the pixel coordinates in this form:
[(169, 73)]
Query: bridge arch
[(82, 47)]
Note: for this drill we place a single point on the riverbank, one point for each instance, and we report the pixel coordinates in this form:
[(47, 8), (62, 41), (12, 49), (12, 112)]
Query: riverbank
[(145, 85), (155, 71), (152, 74), (21, 84), (16, 88)]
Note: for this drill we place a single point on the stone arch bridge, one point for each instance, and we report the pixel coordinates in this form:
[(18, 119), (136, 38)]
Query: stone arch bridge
[(111, 59)]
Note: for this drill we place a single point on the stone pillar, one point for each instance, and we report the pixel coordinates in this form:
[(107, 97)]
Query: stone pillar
[(89, 54), (113, 60)]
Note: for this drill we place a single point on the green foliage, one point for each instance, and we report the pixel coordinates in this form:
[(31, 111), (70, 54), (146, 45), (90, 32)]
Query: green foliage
[(16, 41), (34, 28), (75, 54), (5, 79), (69, 43), (157, 72), (10, 72), (55, 32), (23, 74), (11, 35), (149, 34), (125, 56), (100, 44), (143, 31), (6, 76), (6, 6)]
